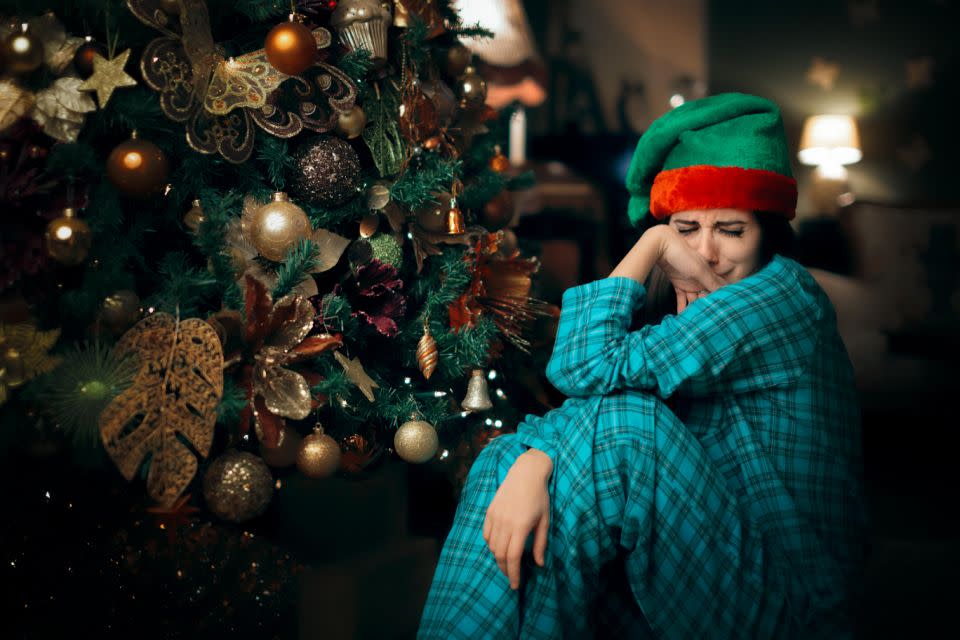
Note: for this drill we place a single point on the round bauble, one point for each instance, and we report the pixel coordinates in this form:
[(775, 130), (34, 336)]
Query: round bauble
[(22, 51), (351, 124), (471, 88), (457, 60), (499, 162), (386, 249), (120, 310), (277, 227), (290, 48), (137, 167), (497, 212), (416, 441), (67, 238), (432, 215), (83, 57), (328, 172), (319, 455), (238, 486)]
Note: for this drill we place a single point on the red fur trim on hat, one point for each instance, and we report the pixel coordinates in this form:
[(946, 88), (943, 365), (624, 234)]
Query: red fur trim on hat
[(709, 187)]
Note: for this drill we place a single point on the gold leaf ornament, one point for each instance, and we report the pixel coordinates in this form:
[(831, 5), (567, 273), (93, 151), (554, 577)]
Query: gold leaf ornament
[(174, 395), (24, 355)]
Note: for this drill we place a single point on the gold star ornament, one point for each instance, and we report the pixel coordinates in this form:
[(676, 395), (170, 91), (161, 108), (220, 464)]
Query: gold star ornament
[(355, 373), (108, 75)]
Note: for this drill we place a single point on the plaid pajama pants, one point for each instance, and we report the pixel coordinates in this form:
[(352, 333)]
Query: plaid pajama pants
[(646, 540)]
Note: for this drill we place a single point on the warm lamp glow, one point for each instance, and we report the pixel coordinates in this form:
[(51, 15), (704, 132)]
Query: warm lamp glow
[(512, 42), (830, 140), (132, 160)]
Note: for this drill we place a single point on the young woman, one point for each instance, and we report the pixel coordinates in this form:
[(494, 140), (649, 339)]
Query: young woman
[(711, 458)]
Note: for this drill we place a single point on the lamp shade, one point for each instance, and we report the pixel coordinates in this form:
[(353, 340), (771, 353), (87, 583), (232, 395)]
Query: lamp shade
[(829, 139)]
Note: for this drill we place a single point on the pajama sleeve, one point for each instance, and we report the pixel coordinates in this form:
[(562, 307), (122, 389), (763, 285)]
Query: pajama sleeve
[(755, 334)]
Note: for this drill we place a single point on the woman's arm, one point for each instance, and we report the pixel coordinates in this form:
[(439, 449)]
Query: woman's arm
[(754, 334)]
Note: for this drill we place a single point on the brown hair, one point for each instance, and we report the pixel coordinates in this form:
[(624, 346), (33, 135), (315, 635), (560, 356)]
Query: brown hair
[(776, 237)]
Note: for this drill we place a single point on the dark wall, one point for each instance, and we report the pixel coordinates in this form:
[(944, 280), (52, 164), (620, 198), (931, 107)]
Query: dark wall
[(895, 70)]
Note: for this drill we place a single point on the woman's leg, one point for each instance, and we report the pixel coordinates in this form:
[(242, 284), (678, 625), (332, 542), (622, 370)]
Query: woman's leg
[(469, 596)]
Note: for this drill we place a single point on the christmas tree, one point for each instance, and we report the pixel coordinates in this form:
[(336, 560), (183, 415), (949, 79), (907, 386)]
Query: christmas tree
[(250, 238)]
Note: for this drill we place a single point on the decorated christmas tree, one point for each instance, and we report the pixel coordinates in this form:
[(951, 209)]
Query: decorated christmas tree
[(245, 239)]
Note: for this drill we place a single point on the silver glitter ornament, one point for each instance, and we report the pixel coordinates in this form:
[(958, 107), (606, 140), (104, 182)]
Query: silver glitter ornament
[(238, 486), (328, 172)]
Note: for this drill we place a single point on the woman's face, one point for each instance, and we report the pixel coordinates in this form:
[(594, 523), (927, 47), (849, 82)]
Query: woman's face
[(728, 239)]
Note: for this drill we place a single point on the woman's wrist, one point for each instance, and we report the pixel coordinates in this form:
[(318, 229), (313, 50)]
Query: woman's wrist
[(642, 257), (540, 460)]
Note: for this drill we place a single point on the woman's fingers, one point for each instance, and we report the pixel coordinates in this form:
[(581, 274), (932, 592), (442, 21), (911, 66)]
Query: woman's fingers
[(514, 553), (540, 540), (498, 545)]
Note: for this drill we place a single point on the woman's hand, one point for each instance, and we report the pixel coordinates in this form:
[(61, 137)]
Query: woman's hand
[(521, 505), (687, 270)]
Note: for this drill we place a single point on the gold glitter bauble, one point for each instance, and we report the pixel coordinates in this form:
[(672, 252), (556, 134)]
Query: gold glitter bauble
[(471, 88), (351, 124), (120, 310), (68, 238), (238, 486), (277, 227), (22, 51), (416, 441), (386, 249), (193, 218), (319, 455), (432, 215)]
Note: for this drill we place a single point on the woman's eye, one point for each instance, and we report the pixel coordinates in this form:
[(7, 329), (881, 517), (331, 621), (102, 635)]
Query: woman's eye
[(735, 234), (685, 231)]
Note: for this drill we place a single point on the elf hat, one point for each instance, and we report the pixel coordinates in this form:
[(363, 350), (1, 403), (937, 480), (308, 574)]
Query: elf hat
[(724, 151)]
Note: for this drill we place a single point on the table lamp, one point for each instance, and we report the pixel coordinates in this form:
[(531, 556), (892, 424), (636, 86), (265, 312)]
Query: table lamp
[(829, 142)]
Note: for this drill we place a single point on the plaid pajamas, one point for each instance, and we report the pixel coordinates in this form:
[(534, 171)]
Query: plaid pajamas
[(738, 512)]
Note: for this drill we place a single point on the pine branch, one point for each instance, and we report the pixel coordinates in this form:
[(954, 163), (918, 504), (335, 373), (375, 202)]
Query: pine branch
[(299, 261)]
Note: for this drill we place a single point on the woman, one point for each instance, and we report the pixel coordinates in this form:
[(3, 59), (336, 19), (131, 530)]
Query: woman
[(712, 458)]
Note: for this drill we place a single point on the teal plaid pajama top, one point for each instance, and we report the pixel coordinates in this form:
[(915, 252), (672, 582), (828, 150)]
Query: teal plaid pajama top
[(713, 461)]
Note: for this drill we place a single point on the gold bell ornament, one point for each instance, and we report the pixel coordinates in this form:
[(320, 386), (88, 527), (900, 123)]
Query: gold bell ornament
[(478, 395)]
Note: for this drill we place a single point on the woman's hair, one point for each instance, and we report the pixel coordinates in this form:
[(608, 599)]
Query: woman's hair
[(776, 237)]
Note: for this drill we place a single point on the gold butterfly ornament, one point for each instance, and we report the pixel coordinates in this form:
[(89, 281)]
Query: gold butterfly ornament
[(220, 99)]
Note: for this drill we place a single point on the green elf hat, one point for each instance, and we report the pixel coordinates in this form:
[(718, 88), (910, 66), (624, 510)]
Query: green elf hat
[(726, 151)]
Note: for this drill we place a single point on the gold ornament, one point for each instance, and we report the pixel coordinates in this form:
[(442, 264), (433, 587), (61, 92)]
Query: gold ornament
[(108, 76), (432, 215), (458, 59), (356, 374), (369, 224), (220, 100), (193, 218), (120, 310), (15, 103), (416, 441), (427, 355), (68, 238), (290, 47), (471, 88), (62, 108), (137, 167), (319, 455), (22, 51), (499, 162), (362, 24), (455, 224), (285, 453), (478, 395), (278, 226), (24, 355), (351, 124), (237, 486), (401, 17), (174, 395)]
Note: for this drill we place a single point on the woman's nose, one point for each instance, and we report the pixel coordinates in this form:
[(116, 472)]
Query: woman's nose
[(708, 248)]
